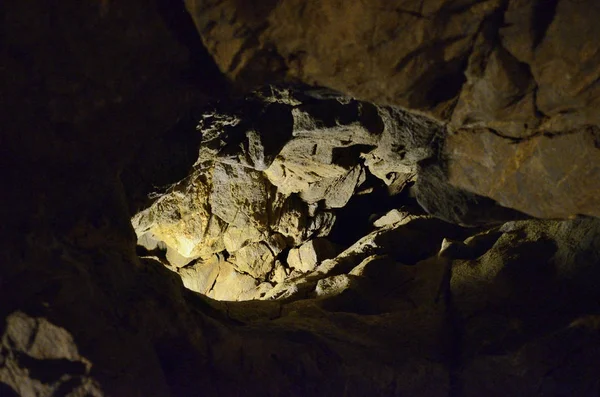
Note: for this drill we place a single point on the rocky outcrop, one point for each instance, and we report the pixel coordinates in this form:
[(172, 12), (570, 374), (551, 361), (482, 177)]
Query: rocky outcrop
[(100, 103), (306, 257), (533, 175), (40, 359), (515, 69), (501, 336), (261, 196)]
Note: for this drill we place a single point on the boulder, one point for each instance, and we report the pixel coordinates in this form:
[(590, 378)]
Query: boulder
[(306, 257), (39, 358)]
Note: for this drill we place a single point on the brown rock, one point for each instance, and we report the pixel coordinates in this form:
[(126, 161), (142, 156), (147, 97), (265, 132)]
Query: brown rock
[(546, 177), (512, 332), (517, 68), (562, 57), (358, 49)]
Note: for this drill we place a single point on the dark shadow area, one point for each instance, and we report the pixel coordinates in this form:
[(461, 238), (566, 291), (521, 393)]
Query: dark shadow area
[(7, 391), (356, 218), (161, 162), (179, 363), (203, 70), (541, 18)]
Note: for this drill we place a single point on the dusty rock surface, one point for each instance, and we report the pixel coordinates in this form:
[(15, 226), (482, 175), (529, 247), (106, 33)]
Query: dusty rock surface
[(260, 195), (104, 117), (518, 69)]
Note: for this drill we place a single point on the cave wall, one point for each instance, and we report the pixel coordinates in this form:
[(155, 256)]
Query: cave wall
[(90, 94), (505, 75)]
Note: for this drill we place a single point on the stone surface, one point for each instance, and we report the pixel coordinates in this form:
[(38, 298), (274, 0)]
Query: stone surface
[(201, 275), (393, 217), (529, 262), (40, 359), (373, 62), (252, 200), (306, 257), (519, 69), (100, 101), (231, 285), (255, 259), (539, 176)]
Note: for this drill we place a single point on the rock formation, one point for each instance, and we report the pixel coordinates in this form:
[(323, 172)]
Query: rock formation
[(496, 72), (300, 198)]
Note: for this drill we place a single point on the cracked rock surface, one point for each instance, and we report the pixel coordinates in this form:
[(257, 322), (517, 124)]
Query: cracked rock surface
[(425, 226), (511, 68), (260, 212)]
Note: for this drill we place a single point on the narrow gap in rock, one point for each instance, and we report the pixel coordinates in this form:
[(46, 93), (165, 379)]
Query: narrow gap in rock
[(203, 69), (542, 16), (355, 219)]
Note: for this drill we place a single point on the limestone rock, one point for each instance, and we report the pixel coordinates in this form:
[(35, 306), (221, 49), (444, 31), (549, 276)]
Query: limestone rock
[(38, 358), (393, 217), (150, 242), (333, 285), (239, 195), (516, 68), (231, 285), (322, 161), (376, 267), (530, 175), (306, 257), (293, 220), (307, 46), (560, 57), (321, 224), (406, 140), (228, 202), (235, 237), (500, 97), (183, 220), (201, 275), (176, 259), (439, 197), (335, 192), (279, 273), (511, 77), (255, 259)]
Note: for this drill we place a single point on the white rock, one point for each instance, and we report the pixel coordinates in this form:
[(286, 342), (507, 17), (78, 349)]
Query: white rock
[(231, 285), (306, 257), (394, 217), (201, 276), (279, 273), (333, 285), (256, 259)]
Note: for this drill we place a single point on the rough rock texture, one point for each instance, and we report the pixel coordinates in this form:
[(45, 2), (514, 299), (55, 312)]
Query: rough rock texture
[(488, 297), (518, 69), (41, 359), (502, 338), (259, 194), (306, 257), (534, 175), (100, 101)]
